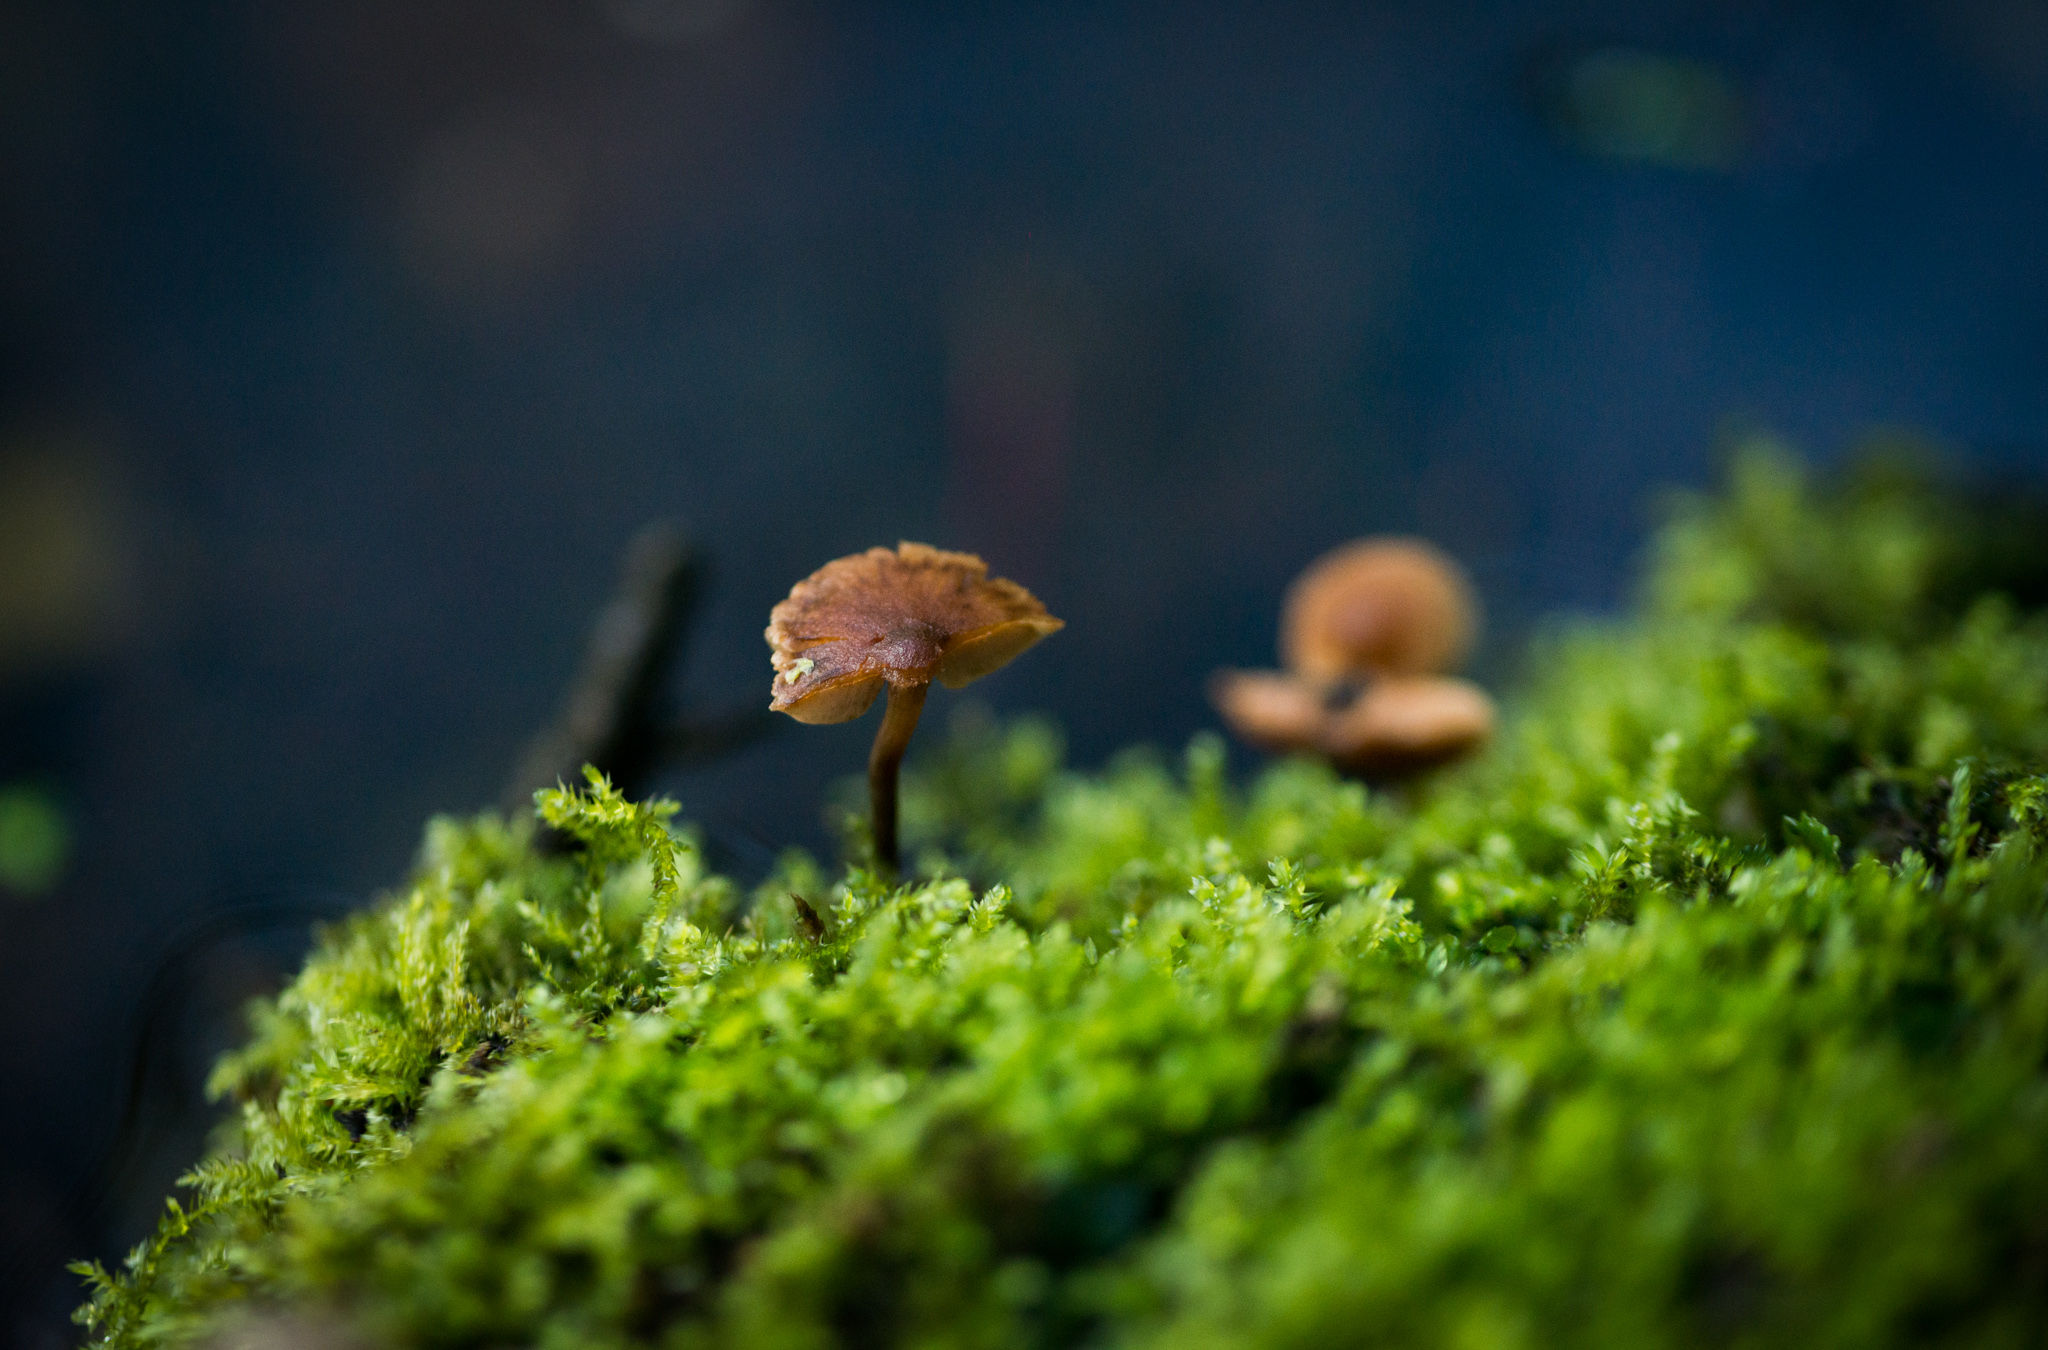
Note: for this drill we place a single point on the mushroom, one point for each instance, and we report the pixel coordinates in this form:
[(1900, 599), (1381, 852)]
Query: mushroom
[(1365, 633), (1272, 710), (898, 618), (1391, 728), (1380, 606), (1406, 723)]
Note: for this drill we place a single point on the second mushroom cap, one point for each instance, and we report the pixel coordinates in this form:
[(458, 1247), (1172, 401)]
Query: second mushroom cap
[(1379, 606)]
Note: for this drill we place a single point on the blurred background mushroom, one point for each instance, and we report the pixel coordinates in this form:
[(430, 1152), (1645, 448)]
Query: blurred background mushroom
[(1403, 724), (1273, 710), (1368, 633), (1378, 607)]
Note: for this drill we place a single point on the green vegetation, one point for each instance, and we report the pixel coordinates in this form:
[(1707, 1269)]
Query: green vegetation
[(35, 840), (1708, 1007)]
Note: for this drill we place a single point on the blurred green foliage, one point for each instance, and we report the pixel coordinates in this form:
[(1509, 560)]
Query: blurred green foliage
[(1709, 1006), (1625, 104), (35, 839)]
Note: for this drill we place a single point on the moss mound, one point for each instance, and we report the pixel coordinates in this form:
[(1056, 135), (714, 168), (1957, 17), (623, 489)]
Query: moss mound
[(1709, 1007)]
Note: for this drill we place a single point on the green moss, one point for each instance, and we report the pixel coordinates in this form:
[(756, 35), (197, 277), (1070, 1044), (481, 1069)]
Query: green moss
[(1710, 1006)]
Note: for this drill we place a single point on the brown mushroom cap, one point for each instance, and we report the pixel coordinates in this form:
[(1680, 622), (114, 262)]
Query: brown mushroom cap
[(1272, 710), (1379, 606), (902, 616), (1406, 723)]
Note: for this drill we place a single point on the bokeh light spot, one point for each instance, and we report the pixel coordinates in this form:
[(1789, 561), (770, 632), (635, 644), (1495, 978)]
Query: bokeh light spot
[(35, 840), (60, 555), (1619, 103)]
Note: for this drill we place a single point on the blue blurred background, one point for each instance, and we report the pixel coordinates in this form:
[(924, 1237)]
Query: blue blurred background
[(343, 346)]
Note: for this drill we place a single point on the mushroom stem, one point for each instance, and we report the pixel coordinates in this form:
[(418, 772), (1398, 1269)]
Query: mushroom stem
[(899, 720)]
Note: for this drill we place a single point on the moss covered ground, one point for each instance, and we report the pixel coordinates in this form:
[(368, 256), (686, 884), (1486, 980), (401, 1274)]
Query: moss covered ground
[(1708, 1007)]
